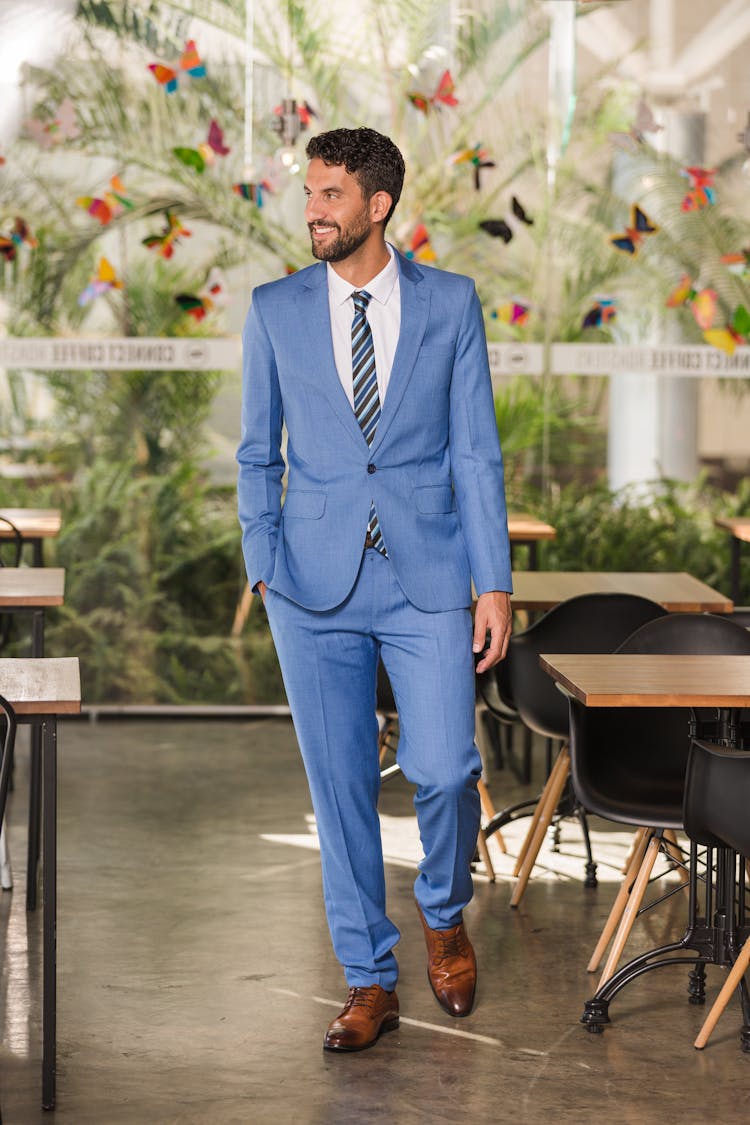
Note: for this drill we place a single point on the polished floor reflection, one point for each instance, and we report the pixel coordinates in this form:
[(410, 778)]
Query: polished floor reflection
[(196, 977)]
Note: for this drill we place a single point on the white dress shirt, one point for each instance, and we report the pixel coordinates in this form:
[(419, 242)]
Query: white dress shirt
[(383, 315)]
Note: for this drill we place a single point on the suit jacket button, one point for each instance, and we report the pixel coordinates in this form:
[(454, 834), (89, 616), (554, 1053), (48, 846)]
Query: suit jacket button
[(371, 468)]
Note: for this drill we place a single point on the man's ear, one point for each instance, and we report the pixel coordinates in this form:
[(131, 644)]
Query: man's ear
[(380, 205)]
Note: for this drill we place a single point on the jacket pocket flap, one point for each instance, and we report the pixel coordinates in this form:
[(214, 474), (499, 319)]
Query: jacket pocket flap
[(434, 498), (305, 505)]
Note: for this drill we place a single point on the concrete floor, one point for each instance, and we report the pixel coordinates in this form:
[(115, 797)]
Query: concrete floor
[(196, 977)]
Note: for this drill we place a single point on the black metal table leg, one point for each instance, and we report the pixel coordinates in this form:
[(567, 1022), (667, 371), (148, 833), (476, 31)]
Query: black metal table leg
[(35, 797), (35, 788), (49, 920)]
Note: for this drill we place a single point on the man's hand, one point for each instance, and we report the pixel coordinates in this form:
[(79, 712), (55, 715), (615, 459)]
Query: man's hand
[(261, 588), (492, 615)]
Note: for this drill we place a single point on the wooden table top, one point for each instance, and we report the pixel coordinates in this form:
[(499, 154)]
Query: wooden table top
[(639, 680), (33, 523), (676, 592), (45, 686), (739, 526), (524, 527), (32, 586)]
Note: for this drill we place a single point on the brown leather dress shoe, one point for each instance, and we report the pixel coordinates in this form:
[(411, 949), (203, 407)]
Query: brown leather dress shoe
[(368, 1012), (451, 967)]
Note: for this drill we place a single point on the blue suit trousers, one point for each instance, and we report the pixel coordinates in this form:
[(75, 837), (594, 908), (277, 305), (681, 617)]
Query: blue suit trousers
[(329, 664)]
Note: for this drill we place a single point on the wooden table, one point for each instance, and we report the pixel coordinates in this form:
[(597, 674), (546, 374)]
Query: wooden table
[(528, 531), (34, 524), (640, 680), (675, 591), (739, 528), (30, 589), (39, 691)]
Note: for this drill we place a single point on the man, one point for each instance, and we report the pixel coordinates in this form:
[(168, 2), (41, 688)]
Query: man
[(378, 368)]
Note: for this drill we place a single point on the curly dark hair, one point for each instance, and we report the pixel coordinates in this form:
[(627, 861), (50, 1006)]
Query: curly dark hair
[(369, 156)]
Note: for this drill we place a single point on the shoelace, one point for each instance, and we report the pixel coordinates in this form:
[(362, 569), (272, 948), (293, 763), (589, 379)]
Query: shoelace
[(451, 943), (361, 998)]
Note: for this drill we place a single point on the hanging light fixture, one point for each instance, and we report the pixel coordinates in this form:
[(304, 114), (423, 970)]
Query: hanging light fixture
[(289, 119)]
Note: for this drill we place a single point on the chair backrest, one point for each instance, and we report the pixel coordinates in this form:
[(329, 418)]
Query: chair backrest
[(587, 623), (7, 741), (716, 808), (628, 764), (686, 633)]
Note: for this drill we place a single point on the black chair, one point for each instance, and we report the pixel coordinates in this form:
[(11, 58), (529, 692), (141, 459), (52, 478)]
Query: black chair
[(587, 623), (7, 743), (716, 814), (628, 764)]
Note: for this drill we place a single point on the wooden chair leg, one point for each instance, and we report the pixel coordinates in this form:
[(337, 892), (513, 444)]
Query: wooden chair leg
[(637, 852), (732, 982), (484, 855), (631, 910), (488, 809), (6, 871), (560, 771), (533, 823)]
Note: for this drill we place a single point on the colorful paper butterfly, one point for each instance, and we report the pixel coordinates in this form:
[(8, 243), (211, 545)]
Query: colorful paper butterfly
[(205, 153), (645, 122), (738, 263), (102, 282), (166, 242), (111, 203), (737, 332), (512, 312), (61, 128), (253, 192), (684, 292), (477, 156), (703, 306), (212, 295), (640, 226), (701, 192), (602, 312), (190, 63), (444, 95), (504, 228), (9, 243), (420, 247)]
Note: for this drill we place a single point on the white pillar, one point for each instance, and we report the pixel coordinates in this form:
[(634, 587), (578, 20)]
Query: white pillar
[(653, 419)]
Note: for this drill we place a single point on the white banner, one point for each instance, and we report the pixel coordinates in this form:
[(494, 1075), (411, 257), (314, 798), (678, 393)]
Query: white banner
[(516, 359), (224, 353), (641, 359), (125, 353)]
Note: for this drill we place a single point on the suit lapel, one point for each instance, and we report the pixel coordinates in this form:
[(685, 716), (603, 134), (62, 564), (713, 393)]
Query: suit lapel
[(415, 310), (314, 320)]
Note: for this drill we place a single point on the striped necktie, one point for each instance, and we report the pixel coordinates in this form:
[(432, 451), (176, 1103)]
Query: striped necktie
[(366, 397)]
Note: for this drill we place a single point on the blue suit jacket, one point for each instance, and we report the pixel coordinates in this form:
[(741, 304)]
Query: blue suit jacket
[(434, 469)]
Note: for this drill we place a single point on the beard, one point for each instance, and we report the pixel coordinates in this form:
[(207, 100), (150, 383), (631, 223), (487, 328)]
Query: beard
[(346, 241)]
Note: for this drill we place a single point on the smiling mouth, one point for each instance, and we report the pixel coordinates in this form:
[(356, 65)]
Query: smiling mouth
[(320, 230)]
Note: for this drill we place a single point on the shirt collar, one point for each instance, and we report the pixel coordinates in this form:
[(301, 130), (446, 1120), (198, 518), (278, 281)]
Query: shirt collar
[(380, 287)]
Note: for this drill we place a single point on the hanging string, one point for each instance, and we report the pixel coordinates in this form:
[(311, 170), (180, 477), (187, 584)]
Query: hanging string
[(249, 61)]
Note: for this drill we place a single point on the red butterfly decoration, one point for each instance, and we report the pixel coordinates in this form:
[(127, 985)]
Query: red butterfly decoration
[(444, 95)]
